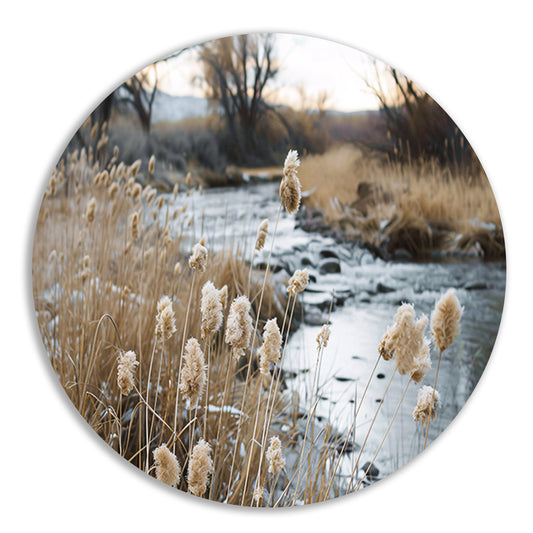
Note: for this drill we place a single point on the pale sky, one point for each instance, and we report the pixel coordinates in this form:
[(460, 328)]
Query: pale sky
[(308, 62)]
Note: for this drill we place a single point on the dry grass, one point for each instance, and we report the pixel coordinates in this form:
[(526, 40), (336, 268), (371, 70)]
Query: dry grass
[(419, 207), (115, 297)]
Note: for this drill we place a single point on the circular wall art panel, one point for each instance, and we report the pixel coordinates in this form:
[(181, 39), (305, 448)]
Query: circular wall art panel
[(268, 270)]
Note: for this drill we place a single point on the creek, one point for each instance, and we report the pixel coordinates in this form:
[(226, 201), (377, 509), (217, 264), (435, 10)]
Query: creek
[(367, 292)]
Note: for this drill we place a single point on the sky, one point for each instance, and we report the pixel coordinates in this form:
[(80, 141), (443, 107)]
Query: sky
[(314, 64)]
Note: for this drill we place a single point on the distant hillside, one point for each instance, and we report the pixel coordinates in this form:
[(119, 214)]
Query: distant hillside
[(175, 108)]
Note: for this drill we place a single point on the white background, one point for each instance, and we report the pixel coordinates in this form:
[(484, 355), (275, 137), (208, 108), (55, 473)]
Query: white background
[(59, 59)]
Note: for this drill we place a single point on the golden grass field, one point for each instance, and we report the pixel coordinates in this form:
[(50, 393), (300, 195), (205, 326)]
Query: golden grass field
[(182, 380), (419, 207)]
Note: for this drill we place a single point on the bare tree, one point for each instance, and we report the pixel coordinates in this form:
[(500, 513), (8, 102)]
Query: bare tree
[(416, 125), (236, 72)]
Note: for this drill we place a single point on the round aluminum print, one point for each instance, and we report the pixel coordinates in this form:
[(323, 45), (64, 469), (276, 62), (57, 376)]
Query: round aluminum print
[(268, 270)]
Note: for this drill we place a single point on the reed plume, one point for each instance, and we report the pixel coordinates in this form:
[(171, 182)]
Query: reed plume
[(274, 454), (193, 374), (167, 467), (200, 468), (422, 363), (198, 258), (270, 350), (151, 164), (134, 226), (445, 320), (322, 338), (290, 187), (135, 167), (136, 191), (89, 212), (261, 235), (165, 321), (298, 282), (428, 401), (113, 190), (211, 308), (127, 363), (405, 339), (239, 326)]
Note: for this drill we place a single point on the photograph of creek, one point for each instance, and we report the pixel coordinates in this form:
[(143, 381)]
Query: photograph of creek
[(263, 288)]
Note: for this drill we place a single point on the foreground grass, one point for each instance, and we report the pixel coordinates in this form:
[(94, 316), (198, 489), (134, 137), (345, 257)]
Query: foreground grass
[(173, 354), (420, 208)]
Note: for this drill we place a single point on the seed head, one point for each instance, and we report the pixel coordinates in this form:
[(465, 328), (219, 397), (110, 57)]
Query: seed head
[(404, 341), (211, 308), (193, 373), (134, 226), (426, 402), (165, 321), (322, 338), (136, 191), (261, 235), (422, 363), (151, 164), (113, 189), (239, 326), (167, 467), (445, 320), (200, 468), (89, 212), (298, 282), (127, 363), (270, 350), (198, 258), (290, 187), (134, 169), (275, 456)]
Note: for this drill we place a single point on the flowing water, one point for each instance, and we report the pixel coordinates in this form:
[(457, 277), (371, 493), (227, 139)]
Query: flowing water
[(367, 294)]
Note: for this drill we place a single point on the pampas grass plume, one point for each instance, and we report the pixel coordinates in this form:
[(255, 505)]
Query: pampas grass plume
[(445, 320), (134, 169), (239, 326), (165, 321), (422, 363), (198, 258), (167, 467), (261, 235), (200, 468), (211, 307), (134, 225), (193, 373), (322, 338), (275, 456), (405, 339), (136, 191), (298, 282), (424, 406), (113, 190), (127, 363), (290, 187), (270, 350)]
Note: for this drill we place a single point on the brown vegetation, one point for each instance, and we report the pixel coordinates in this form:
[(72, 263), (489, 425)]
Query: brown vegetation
[(144, 355), (420, 208)]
